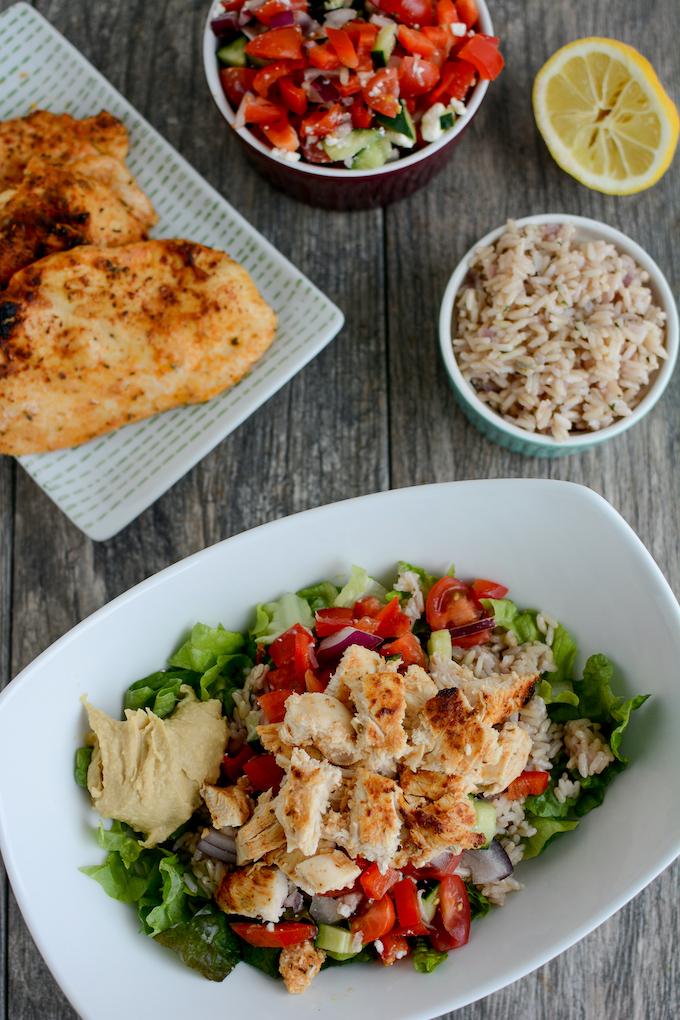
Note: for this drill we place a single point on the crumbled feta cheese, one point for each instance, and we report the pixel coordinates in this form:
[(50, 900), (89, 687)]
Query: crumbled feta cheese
[(401, 140), (379, 946), (457, 107), (290, 157), (400, 954), (458, 29), (270, 926), (430, 126)]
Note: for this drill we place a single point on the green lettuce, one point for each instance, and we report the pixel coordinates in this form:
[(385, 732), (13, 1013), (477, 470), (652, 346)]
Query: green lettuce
[(273, 618), (174, 895), (546, 830), (598, 702), (205, 646), (266, 960), (159, 691), (81, 764), (319, 596), (425, 958), (121, 839), (358, 586), (479, 904), (205, 943), (426, 579)]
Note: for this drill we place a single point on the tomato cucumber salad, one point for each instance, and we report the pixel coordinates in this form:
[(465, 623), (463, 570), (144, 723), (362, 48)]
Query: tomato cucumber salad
[(348, 82), (355, 778)]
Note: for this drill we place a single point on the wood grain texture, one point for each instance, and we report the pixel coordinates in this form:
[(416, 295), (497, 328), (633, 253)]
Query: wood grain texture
[(373, 410)]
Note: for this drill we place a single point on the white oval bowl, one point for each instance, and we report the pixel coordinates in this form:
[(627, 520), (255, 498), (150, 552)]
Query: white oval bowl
[(492, 424), (215, 86), (108, 970)]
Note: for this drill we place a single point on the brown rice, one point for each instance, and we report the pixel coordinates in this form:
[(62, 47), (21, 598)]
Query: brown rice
[(555, 335)]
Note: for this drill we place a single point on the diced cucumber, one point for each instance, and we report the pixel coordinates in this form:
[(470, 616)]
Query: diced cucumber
[(335, 5), (374, 155), (486, 819), (384, 44), (234, 53), (402, 124), (447, 120), (428, 904), (347, 147), (338, 942), (440, 644)]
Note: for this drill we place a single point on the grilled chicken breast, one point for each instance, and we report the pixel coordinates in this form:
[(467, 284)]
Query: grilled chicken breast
[(59, 136), (93, 200), (94, 338)]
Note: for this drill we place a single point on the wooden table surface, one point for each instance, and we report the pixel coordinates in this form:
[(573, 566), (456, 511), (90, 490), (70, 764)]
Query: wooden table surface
[(373, 411)]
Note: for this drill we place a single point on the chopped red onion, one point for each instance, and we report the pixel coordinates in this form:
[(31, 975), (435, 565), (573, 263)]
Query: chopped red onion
[(334, 645), (223, 840), (294, 901), (225, 23), (486, 623), (283, 20), (339, 18), (210, 850), (308, 25), (489, 865), (327, 91), (251, 31)]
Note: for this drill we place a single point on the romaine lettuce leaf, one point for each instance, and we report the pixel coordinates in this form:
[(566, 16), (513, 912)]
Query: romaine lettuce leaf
[(598, 702), (319, 596), (159, 691), (358, 586), (81, 764), (122, 839), (546, 830), (173, 907), (205, 646), (273, 618), (125, 883), (205, 943), (266, 960), (425, 958), (479, 904)]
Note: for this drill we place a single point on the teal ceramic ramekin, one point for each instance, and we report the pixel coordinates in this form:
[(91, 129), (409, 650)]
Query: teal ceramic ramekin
[(519, 440)]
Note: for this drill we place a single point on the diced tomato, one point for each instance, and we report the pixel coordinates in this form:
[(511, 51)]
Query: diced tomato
[(414, 41), (273, 704), (330, 621), (362, 34), (457, 78), (394, 947), (350, 88), (374, 883), (441, 38), (270, 74), (343, 46), (467, 12), (381, 92), (361, 115), (489, 589), (529, 784), (317, 682), (236, 81), (447, 13), (482, 52), (369, 606), (286, 646), (285, 678), (405, 896), (323, 56), (276, 44), (291, 651), (270, 9), (282, 135), (472, 640), (233, 764), (232, 5), (439, 937), (409, 648), (454, 909), (414, 13), (263, 772), (321, 123), (417, 76), (260, 111), (293, 96), (391, 621), (268, 936), (450, 603), (314, 152), (376, 921), (436, 872)]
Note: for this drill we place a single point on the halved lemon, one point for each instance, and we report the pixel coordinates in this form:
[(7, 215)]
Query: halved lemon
[(605, 116)]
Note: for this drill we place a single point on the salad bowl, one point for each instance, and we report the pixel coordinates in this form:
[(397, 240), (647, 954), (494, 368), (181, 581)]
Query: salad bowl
[(544, 539)]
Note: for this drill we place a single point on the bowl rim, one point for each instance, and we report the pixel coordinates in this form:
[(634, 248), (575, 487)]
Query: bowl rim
[(212, 78), (663, 294)]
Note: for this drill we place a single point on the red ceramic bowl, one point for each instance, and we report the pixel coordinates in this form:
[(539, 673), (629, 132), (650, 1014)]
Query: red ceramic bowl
[(331, 188)]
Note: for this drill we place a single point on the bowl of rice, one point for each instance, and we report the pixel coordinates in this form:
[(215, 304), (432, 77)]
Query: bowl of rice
[(557, 333)]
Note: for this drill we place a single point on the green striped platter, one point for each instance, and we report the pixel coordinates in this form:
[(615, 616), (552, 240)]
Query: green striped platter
[(104, 484)]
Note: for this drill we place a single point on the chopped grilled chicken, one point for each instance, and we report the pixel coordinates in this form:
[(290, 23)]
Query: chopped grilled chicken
[(514, 745), (433, 826), (418, 688), (94, 200), (303, 799), (256, 891), (325, 872), (429, 785), (228, 805), (355, 663), (270, 737), (61, 137), (94, 338), (499, 696), (374, 823), (380, 704), (261, 834), (299, 965), (321, 721)]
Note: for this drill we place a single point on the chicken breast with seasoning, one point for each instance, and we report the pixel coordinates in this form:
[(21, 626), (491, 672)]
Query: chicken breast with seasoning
[(380, 704), (355, 663), (95, 338), (433, 826), (61, 137), (261, 834), (299, 965), (303, 799), (228, 805), (325, 872), (499, 696), (418, 689), (452, 737), (321, 721), (94, 200), (514, 747), (256, 891), (374, 824)]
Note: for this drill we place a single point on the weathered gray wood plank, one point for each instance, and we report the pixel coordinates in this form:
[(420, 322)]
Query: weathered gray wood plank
[(628, 968), (323, 438), (7, 472)]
